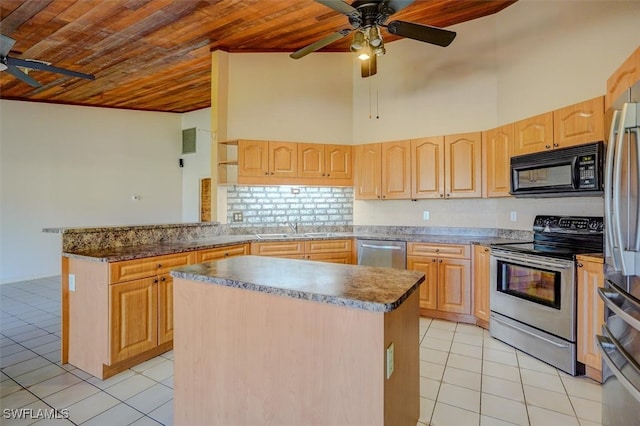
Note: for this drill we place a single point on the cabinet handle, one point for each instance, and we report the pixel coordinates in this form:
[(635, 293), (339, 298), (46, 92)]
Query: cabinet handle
[(448, 195), (266, 173), (440, 261), (441, 195), (556, 145), (486, 250), (579, 265), (155, 281), (433, 260), (159, 265), (328, 175), (437, 250), (547, 146), (271, 173), (163, 279), (226, 254)]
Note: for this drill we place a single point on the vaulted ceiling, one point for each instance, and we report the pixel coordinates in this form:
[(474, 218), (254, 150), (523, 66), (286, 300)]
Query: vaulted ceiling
[(155, 54)]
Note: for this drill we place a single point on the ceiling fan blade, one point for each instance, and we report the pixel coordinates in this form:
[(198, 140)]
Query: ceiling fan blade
[(331, 38), (369, 67), (6, 43), (37, 65), (340, 6), (420, 32), (14, 71), (398, 5)]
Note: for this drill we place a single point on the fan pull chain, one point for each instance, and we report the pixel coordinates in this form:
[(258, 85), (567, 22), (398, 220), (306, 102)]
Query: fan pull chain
[(377, 104), (369, 98)]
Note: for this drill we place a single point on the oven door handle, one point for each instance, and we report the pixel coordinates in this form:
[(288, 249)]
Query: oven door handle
[(604, 346), (559, 345), (610, 296), (529, 261)]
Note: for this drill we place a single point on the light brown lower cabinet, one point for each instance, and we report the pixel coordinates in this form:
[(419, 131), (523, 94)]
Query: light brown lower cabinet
[(590, 314), (481, 284), (121, 314), (446, 292), (334, 251)]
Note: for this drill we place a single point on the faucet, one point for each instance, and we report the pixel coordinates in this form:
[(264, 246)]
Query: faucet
[(292, 225)]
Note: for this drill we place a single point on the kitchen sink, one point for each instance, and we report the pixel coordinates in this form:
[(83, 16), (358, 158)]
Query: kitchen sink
[(272, 236), (320, 234)]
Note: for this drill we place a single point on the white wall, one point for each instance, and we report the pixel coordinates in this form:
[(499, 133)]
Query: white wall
[(274, 97), (77, 166), (197, 165)]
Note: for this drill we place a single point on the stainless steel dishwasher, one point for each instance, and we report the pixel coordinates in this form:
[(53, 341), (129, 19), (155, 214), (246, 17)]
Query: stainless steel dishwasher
[(388, 254)]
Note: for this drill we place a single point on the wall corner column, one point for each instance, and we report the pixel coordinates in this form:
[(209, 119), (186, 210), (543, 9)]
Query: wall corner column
[(219, 119)]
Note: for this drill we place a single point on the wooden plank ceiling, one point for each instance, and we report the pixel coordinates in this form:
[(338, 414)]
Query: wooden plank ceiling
[(155, 54)]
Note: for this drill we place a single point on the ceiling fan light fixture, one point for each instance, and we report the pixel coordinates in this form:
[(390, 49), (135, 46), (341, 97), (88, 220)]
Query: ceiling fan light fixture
[(380, 50), (375, 38), (358, 41), (364, 55)]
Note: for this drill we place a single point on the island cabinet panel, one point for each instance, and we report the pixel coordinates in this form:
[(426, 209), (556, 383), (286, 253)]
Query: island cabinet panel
[(590, 314), (579, 123), (221, 252), (302, 362), (534, 134), (427, 167), (133, 318), (481, 284), (497, 149), (463, 162)]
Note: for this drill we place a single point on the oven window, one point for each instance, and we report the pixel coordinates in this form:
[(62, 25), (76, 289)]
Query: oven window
[(545, 177), (529, 283)]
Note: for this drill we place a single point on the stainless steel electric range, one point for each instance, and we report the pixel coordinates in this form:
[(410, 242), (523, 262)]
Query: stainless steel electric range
[(533, 288)]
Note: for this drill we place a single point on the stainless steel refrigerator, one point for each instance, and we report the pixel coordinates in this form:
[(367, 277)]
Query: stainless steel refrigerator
[(620, 339)]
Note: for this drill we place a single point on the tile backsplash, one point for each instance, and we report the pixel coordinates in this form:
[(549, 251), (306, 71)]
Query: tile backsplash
[(273, 205)]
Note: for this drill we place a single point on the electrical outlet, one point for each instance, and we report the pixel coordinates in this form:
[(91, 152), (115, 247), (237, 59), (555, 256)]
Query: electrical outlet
[(237, 217), (72, 282), (514, 216), (389, 361), (425, 215)]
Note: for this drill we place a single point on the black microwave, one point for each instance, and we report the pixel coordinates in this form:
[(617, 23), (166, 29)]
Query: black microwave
[(566, 172)]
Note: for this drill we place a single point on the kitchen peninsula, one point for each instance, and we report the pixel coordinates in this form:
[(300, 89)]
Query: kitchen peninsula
[(278, 341)]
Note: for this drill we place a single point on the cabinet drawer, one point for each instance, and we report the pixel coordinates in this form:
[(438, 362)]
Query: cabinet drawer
[(455, 251), (148, 266), (221, 252), (328, 246), (281, 248), (344, 258)]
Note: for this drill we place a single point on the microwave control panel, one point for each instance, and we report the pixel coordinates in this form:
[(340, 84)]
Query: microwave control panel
[(587, 171)]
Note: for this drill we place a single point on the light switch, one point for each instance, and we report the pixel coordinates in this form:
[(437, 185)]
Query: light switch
[(72, 282)]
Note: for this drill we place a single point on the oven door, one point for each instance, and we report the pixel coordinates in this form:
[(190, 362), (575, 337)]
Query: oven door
[(536, 290)]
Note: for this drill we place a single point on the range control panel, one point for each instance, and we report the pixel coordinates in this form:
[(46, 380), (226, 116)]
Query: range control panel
[(569, 224)]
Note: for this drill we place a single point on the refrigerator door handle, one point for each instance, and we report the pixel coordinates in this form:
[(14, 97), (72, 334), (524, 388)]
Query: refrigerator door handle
[(605, 346), (627, 268), (608, 181), (611, 295)]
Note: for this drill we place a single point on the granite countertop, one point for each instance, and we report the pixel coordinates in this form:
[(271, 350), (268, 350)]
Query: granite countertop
[(361, 287), (117, 254)]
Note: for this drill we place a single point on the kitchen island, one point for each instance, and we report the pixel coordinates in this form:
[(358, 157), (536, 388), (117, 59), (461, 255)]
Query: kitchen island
[(288, 342)]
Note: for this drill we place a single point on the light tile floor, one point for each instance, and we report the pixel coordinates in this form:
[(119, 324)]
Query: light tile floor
[(466, 377)]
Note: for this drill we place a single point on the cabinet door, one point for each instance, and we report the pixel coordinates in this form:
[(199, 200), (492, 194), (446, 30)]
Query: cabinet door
[(339, 161), (481, 282), (429, 288), (427, 167), (328, 246), (368, 172), (580, 123), (396, 170), (625, 76), (463, 165), (497, 146), (283, 159), (253, 158), (165, 308), (454, 286), (133, 310), (590, 313), (340, 257), (311, 160), (290, 249), (534, 134), (221, 252), (455, 251)]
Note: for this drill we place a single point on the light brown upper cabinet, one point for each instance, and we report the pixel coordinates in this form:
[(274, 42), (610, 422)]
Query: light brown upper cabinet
[(267, 159), (625, 76), (383, 171), (533, 134), (396, 170), (579, 123), (368, 178), (427, 167), (497, 148), (325, 162), (463, 165)]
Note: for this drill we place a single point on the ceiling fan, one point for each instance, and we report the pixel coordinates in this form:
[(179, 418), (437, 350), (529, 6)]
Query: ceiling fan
[(366, 17), (13, 65)]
